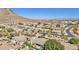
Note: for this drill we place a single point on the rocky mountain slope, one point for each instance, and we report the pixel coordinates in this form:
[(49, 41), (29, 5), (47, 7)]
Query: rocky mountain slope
[(7, 16)]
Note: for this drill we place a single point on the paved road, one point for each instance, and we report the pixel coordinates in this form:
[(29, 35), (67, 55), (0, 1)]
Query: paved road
[(69, 32)]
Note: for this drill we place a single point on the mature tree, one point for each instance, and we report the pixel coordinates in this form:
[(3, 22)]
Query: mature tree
[(53, 45)]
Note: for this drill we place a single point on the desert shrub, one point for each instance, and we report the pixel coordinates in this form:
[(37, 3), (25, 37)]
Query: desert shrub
[(16, 34), (74, 41), (53, 45), (65, 37), (1, 35), (10, 35), (20, 23), (2, 27), (10, 29), (27, 44)]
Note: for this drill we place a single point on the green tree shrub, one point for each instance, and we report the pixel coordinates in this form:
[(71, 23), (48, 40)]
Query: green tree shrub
[(20, 23), (10, 29), (53, 45), (74, 41)]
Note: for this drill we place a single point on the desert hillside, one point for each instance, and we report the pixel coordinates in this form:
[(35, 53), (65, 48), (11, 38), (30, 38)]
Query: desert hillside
[(7, 16)]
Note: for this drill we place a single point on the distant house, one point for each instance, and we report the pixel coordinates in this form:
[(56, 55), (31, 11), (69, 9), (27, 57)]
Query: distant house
[(57, 31), (20, 40), (39, 41)]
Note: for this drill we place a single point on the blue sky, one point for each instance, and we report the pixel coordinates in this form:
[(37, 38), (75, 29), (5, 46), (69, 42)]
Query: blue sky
[(47, 13)]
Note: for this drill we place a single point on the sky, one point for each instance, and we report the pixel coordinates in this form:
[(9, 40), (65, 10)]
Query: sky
[(47, 13)]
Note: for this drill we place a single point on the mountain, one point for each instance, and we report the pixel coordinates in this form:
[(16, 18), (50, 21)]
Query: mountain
[(7, 16), (6, 11)]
